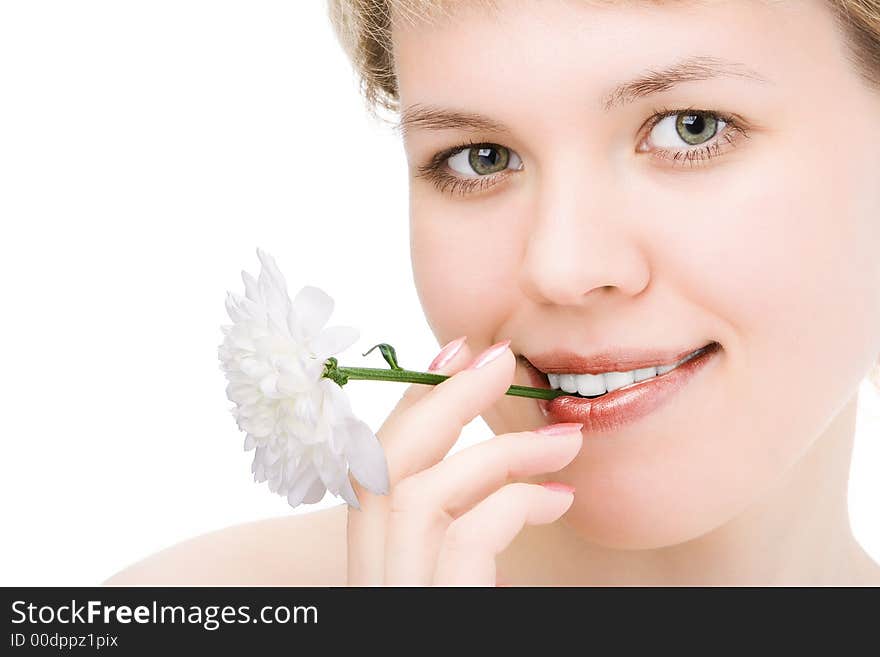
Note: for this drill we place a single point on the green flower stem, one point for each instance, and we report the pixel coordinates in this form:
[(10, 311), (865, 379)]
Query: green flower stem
[(411, 376)]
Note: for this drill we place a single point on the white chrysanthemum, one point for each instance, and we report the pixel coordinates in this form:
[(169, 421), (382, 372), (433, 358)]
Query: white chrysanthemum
[(300, 423)]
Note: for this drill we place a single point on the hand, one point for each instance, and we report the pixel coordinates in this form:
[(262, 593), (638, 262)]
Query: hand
[(444, 521)]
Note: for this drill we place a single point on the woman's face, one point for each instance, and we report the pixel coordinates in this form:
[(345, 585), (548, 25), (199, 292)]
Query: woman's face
[(609, 227)]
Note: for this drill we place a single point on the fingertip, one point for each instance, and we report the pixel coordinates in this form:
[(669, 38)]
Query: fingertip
[(566, 437), (570, 429), (558, 486), (452, 357), (491, 354), (551, 502), (559, 498)]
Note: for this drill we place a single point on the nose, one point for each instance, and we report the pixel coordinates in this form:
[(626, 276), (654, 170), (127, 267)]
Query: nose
[(580, 247)]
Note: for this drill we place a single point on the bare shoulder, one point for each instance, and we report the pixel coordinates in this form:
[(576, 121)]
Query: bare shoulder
[(307, 549)]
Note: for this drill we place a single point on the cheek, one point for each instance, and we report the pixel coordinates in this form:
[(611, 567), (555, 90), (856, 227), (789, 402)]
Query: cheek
[(785, 261), (464, 276), (796, 274)]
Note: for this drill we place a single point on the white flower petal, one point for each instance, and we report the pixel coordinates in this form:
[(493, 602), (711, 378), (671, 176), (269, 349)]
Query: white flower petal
[(261, 425), (292, 386), (268, 385), (304, 408), (336, 407), (366, 457), (260, 471), (347, 493), (332, 340), (305, 438), (301, 487), (271, 455), (243, 342), (256, 312), (242, 393), (315, 492), (233, 308), (255, 368), (311, 309), (251, 287), (248, 410), (272, 284), (270, 269)]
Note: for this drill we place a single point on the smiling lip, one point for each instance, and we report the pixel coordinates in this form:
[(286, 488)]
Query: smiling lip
[(614, 409), (612, 360)]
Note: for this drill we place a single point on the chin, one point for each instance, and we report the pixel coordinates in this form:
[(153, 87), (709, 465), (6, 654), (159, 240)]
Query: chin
[(655, 501), (636, 525)]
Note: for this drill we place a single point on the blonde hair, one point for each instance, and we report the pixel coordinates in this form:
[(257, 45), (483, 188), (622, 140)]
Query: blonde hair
[(363, 29)]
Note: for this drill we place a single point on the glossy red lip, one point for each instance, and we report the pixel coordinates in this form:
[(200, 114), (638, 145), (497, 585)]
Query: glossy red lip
[(624, 405), (612, 360)]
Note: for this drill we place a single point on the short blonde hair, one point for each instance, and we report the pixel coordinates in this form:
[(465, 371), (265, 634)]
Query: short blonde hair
[(363, 28)]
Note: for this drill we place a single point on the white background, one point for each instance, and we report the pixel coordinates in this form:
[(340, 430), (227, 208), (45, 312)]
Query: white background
[(146, 150)]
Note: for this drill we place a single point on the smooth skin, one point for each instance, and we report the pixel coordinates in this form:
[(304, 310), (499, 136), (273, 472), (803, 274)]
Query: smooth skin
[(769, 248)]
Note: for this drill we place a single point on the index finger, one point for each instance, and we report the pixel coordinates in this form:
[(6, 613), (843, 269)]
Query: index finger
[(365, 529), (423, 434)]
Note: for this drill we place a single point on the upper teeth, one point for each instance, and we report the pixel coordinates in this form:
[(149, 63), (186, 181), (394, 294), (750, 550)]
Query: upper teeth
[(598, 384)]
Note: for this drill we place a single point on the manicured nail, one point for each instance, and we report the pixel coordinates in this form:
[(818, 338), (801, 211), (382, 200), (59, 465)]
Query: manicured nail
[(560, 428), (558, 486), (447, 353), (489, 355)]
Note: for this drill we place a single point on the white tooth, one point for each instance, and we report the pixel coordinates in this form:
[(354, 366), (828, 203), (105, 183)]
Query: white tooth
[(644, 373), (693, 354), (567, 383), (674, 365), (663, 369), (615, 380), (590, 384), (554, 381)]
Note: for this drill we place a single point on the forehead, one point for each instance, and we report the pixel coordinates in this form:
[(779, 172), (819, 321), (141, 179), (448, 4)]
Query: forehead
[(496, 54)]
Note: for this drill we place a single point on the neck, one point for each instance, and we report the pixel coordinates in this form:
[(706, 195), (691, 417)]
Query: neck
[(796, 534)]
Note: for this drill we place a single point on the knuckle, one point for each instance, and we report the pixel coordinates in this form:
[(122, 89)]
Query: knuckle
[(411, 392), (406, 495), (410, 397), (412, 505), (517, 493), (508, 449), (459, 536), (415, 392)]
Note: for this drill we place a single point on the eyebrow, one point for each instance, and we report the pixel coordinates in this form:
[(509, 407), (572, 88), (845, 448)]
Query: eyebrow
[(431, 117)]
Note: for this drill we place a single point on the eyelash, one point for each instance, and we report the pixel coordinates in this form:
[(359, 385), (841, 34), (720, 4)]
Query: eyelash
[(435, 170)]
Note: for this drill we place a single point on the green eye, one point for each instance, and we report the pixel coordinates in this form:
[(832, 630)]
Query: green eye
[(483, 160), (695, 129), (488, 159)]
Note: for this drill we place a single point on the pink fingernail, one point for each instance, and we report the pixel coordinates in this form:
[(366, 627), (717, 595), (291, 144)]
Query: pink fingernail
[(558, 486), (560, 428), (489, 355), (447, 353)]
